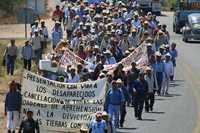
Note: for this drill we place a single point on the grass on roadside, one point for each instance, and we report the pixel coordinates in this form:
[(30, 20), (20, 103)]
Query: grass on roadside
[(4, 78), (168, 4)]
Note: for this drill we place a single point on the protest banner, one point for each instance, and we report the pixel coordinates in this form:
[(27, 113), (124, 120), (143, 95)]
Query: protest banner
[(61, 106), (42, 89), (70, 57), (58, 117), (136, 56)]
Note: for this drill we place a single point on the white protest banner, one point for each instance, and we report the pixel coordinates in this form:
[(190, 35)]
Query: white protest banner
[(140, 52), (70, 57), (61, 106), (138, 56), (39, 88), (58, 117)]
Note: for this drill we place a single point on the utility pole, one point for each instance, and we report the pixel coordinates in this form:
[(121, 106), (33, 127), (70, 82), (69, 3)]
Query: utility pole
[(26, 13)]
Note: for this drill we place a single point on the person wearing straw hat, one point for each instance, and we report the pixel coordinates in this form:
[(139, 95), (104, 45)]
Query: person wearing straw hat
[(133, 38), (56, 34), (149, 101), (98, 125), (136, 23), (160, 39), (167, 49), (10, 56), (145, 28), (121, 86), (114, 100), (150, 50), (159, 70), (73, 77), (110, 127), (168, 69), (162, 50), (13, 103), (132, 76), (37, 47), (83, 129), (110, 59), (34, 27), (29, 125), (44, 33)]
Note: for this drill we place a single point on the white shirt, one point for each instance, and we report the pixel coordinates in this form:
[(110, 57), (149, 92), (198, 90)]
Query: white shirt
[(44, 31), (33, 28), (168, 67), (150, 81), (36, 42)]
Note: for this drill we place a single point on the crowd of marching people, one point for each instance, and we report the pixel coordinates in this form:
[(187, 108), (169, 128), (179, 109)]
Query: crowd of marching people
[(100, 34)]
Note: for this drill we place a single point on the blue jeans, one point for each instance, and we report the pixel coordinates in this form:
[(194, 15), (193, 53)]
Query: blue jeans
[(159, 76), (10, 64), (114, 112)]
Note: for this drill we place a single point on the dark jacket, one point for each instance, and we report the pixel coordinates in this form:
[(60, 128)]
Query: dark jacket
[(13, 101), (141, 88)]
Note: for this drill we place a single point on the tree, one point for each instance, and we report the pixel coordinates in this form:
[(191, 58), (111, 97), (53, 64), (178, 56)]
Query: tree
[(8, 5)]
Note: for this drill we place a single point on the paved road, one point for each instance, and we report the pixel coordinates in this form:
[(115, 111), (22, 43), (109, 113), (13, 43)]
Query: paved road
[(179, 113)]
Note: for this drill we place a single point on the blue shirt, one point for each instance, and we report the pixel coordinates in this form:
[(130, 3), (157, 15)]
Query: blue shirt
[(115, 97), (126, 94), (159, 66), (56, 37), (94, 1), (27, 52), (80, 12), (174, 53), (98, 126), (13, 101), (136, 24), (141, 88)]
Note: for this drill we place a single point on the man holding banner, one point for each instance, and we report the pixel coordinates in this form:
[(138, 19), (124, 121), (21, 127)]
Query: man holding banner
[(29, 125)]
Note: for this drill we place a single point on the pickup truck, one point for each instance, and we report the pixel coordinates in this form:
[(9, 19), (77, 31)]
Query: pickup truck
[(182, 10)]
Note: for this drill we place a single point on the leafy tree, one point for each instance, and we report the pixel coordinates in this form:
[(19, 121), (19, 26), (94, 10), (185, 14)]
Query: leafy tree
[(8, 5)]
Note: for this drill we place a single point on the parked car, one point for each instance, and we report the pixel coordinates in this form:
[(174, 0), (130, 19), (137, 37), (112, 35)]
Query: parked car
[(192, 28)]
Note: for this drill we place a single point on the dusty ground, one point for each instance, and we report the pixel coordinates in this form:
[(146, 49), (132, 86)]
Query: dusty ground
[(4, 79), (16, 31)]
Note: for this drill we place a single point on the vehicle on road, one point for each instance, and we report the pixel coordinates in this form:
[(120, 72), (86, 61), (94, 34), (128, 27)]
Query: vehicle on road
[(192, 28), (182, 10), (153, 6)]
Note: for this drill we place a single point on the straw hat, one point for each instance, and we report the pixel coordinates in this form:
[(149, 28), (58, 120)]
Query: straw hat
[(158, 54), (133, 30), (119, 81), (148, 69)]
